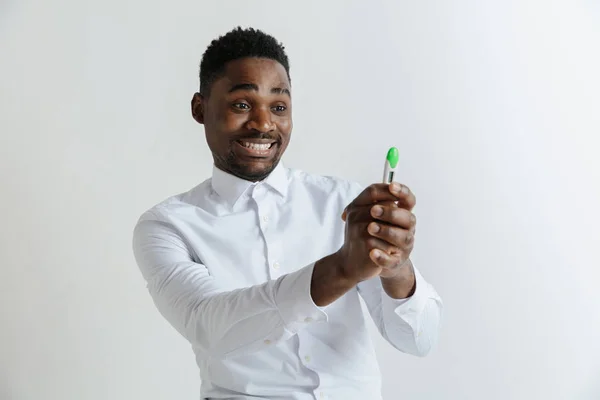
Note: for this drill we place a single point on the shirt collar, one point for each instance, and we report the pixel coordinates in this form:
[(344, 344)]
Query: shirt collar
[(229, 187)]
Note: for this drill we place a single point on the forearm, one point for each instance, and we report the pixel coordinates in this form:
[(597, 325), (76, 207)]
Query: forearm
[(241, 321), (220, 322), (328, 283)]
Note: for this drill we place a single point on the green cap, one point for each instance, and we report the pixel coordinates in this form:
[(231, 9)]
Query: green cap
[(392, 157)]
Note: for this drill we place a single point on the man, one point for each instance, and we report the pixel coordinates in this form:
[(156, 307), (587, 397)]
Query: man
[(260, 267)]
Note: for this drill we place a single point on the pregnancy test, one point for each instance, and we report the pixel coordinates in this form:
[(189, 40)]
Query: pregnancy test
[(391, 162)]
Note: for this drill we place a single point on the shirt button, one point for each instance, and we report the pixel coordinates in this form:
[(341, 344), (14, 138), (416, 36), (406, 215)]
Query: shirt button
[(321, 395), (266, 218), (267, 341), (307, 358), (308, 319), (276, 265)]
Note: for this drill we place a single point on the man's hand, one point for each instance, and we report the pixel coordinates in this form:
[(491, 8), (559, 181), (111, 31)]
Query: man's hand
[(379, 232), (368, 252), (395, 225)]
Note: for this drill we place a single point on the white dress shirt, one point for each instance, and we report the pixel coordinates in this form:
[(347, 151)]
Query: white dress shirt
[(229, 265)]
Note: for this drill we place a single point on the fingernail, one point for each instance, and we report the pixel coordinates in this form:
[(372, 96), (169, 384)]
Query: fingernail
[(377, 211), (395, 187), (405, 189), (374, 228), (377, 253)]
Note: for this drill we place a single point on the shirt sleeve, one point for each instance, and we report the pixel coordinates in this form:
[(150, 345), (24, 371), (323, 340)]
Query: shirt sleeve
[(411, 325), (220, 323)]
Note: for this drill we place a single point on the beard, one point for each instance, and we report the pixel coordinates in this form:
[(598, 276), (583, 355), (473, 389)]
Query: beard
[(247, 169)]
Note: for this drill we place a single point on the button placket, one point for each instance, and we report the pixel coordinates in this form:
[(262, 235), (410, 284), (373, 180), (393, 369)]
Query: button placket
[(266, 218), (263, 207)]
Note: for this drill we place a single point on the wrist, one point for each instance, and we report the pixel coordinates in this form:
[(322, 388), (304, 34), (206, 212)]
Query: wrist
[(402, 284), (328, 282), (341, 271)]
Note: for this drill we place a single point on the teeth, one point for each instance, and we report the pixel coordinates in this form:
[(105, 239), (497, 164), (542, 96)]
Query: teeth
[(256, 146)]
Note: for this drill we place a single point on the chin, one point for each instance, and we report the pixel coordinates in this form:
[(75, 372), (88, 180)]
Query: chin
[(254, 171)]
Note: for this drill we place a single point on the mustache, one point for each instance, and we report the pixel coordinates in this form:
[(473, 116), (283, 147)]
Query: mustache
[(258, 135)]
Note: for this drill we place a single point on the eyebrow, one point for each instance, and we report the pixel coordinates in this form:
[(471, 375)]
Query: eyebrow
[(253, 87)]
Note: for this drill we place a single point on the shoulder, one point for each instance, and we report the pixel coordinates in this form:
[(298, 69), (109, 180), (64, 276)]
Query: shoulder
[(180, 201), (345, 189)]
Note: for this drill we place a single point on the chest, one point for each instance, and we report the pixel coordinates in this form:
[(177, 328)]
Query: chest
[(265, 238)]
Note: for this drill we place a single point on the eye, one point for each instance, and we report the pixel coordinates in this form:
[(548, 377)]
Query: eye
[(241, 106), (279, 108)]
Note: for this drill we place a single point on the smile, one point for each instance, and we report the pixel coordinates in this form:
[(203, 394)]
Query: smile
[(256, 148)]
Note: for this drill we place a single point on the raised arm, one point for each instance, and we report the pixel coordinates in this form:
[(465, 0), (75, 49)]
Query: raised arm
[(227, 323)]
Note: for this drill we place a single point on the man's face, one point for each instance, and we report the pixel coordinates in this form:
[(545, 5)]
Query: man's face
[(247, 117)]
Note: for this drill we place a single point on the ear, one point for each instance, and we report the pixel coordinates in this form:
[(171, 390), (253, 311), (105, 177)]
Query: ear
[(198, 108)]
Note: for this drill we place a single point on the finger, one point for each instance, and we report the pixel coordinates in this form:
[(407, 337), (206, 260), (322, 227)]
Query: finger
[(404, 194), (344, 214), (382, 259), (398, 237), (374, 193), (363, 213), (380, 244), (394, 215)]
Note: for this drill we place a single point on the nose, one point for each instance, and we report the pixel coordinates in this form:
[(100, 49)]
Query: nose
[(260, 120)]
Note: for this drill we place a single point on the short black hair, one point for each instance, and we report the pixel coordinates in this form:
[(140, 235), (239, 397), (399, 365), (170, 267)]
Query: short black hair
[(235, 44)]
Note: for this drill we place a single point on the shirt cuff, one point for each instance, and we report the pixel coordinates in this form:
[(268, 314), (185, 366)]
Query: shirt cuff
[(294, 302), (410, 306)]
